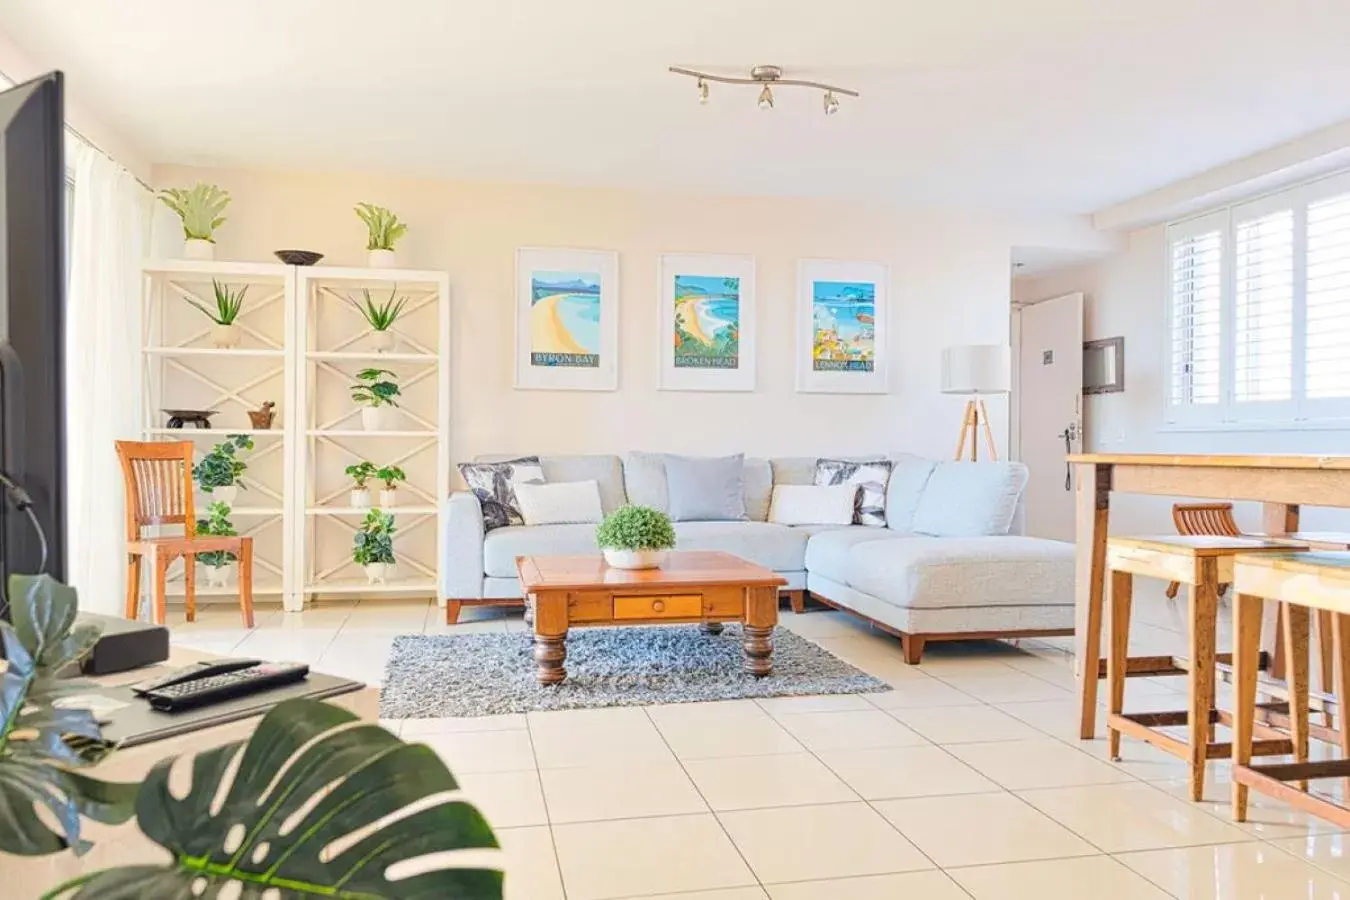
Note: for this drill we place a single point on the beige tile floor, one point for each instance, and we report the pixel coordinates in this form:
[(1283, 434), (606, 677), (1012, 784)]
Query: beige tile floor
[(965, 781)]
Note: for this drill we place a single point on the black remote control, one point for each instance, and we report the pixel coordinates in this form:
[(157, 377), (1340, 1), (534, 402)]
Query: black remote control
[(212, 685)]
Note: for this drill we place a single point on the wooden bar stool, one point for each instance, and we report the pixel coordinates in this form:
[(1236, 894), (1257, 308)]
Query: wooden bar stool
[(158, 481), (1203, 518), (1202, 562), (1301, 582)]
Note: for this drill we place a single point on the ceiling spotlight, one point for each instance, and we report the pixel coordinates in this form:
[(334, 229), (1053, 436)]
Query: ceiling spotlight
[(702, 91), (765, 76), (831, 104), (766, 98)]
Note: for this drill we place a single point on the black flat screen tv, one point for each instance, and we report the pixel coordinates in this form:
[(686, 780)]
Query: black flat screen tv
[(32, 330)]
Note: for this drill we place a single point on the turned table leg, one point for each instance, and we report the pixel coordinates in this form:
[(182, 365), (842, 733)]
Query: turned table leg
[(758, 646), (550, 636), (711, 627)]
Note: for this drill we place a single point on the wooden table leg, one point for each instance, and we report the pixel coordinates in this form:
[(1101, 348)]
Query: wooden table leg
[(761, 615), (1092, 517), (711, 627), (1297, 620), (1247, 611), (550, 636)]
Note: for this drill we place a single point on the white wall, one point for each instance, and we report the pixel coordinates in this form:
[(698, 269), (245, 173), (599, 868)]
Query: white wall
[(950, 284)]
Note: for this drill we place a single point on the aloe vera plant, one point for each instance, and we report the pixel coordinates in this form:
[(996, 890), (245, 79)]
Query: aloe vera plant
[(383, 226), (380, 315), (228, 303), (199, 207)]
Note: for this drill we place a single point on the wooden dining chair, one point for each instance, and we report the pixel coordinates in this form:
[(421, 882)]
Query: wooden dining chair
[(1203, 518), (158, 481)]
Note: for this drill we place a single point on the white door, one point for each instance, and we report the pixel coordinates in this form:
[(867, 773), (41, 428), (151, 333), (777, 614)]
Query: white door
[(1049, 406)]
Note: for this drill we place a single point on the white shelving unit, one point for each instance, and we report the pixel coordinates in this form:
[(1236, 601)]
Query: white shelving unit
[(334, 337), (303, 342)]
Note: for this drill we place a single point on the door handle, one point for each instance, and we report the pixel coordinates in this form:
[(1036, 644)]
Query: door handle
[(1068, 434)]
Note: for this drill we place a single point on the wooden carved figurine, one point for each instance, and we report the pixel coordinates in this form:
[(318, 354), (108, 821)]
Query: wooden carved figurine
[(262, 418)]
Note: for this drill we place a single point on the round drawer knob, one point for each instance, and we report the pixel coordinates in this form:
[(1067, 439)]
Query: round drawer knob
[(658, 606)]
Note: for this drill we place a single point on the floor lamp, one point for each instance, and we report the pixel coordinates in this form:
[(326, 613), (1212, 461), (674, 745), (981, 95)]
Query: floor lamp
[(976, 370)]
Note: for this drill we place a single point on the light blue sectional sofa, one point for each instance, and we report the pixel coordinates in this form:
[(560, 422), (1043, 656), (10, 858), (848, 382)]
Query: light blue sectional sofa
[(950, 563)]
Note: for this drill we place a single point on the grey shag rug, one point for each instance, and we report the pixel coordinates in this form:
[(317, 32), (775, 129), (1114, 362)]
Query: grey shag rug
[(434, 675)]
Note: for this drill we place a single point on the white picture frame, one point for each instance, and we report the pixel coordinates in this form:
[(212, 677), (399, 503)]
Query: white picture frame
[(562, 346), (860, 364), (726, 284)]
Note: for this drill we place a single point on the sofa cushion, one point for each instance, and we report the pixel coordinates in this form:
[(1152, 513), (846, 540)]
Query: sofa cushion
[(909, 477), (970, 499), (493, 483), (776, 547), (931, 573), (827, 551), (810, 504), (559, 503), (503, 545), (644, 476), (605, 470), (706, 488)]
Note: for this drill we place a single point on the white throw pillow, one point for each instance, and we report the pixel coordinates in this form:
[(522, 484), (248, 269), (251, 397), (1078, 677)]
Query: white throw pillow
[(562, 503), (808, 504), (970, 499)]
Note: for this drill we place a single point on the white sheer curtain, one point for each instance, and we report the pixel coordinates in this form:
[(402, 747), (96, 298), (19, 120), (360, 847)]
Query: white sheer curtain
[(108, 238)]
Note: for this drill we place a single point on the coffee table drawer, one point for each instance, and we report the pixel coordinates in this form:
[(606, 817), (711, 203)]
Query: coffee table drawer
[(658, 606), (724, 601), (587, 607)]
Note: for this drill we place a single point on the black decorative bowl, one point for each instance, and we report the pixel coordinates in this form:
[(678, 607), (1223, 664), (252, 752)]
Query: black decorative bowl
[(298, 257)]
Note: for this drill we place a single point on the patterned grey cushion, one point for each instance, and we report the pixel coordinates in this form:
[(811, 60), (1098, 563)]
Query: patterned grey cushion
[(871, 477), (493, 483)]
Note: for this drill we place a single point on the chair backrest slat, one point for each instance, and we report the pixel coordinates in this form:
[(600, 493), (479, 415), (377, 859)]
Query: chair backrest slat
[(1205, 518), (157, 477)]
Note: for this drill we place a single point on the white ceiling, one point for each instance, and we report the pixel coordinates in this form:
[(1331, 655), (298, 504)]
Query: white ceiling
[(1051, 106)]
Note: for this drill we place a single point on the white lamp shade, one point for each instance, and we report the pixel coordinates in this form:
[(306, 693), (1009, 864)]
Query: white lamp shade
[(976, 369)]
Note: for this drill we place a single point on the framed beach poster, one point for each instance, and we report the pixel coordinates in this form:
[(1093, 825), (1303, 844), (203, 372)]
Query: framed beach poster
[(567, 319), (841, 326), (707, 322)]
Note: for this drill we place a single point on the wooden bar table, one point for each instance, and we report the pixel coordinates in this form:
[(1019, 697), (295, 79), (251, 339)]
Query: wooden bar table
[(1280, 483)]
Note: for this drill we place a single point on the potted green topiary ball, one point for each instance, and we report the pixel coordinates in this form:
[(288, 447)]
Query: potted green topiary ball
[(635, 537)]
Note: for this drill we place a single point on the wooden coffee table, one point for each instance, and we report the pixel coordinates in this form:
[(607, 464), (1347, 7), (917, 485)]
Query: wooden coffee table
[(706, 587)]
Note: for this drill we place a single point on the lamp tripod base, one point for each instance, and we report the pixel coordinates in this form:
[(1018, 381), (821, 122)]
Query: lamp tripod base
[(976, 419)]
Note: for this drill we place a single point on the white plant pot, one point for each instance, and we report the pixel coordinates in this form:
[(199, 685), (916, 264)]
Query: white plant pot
[(225, 494), (634, 559), (218, 576), (226, 337), (360, 499), (376, 572), (196, 248), (379, 418), (382, 259), (383, 341), (388, 499)]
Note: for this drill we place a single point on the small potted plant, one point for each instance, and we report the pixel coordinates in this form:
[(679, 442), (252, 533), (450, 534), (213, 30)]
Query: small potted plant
[(384, 230), (200, 209), (391, 476), (217, 562), (376, 392), (635, 537), (381, 317), (228, 305), (373, 546), (220, 472), (360, 473)]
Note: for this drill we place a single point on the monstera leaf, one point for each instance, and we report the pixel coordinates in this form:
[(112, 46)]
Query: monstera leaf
[(42, 744), (320, 806)]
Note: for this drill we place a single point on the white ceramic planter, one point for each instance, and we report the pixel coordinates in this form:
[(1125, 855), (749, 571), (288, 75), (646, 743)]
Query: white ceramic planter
[(382, 259), (225, 495), (383, 341), (360, 499), (376, 572), (226, 337), (218, 576), (634, 559), (198, 249), (379, 418), (388, 499)]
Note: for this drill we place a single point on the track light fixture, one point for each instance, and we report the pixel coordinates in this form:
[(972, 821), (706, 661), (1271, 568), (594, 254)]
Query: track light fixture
[(766, 76)]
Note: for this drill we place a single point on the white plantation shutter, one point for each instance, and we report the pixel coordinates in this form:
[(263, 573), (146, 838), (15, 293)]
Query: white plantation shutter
[(1197, 285), (1328, 298), (1263, 358)]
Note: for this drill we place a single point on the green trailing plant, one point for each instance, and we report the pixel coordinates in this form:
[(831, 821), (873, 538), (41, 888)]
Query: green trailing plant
[(222, 467), (383, 226), (391, 476), (376, 387), (380, 315), (199, 207), (43, 746), (228, 303), (374, 541), (636, 528), (362, 472), (216, 524)]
